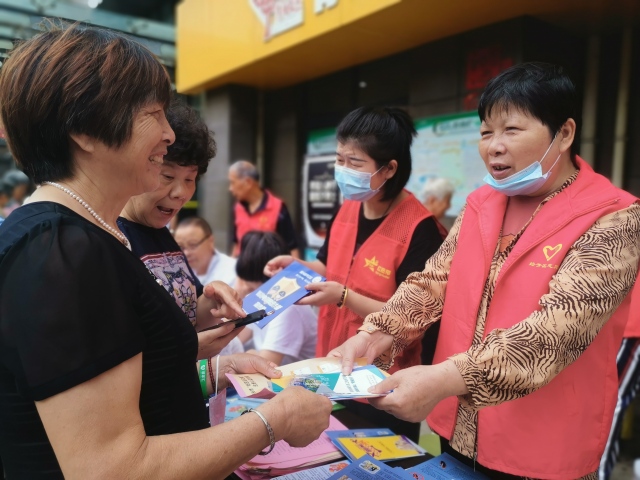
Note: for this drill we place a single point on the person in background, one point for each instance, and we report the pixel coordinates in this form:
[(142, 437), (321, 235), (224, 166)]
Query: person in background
[(257, 208), (628, 363), (19, 183), (380, 234), (144, 221), (436, 196), (531, 289), (97, 372), (195, 238), (292, 335)]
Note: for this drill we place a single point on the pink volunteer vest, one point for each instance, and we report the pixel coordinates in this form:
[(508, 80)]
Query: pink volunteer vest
[(560, 430), (370, 272)]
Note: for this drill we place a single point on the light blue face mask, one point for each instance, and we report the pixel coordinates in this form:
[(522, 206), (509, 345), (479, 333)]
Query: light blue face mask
[(355, 185), (525, 181)]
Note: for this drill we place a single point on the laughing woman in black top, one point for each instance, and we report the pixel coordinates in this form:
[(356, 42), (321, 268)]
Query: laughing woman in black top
[(97, 376)]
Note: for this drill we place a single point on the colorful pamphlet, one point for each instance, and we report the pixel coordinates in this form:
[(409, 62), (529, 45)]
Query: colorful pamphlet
[(444, 467), (369, 467), (317, 473), (385, 448), (281, 291), (321, 375)]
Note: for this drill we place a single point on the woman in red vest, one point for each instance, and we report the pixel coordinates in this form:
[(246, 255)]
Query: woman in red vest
[(531, 288), (380, 234)]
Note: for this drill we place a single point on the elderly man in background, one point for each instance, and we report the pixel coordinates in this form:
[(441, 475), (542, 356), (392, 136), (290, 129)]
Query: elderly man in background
[(436, 196), (195, 238), (257, 208)]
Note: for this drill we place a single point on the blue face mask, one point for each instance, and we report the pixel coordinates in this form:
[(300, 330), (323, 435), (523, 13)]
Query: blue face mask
[(355, 185), (525, 181)]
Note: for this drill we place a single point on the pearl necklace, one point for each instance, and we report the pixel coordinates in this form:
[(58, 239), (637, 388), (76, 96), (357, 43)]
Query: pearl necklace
[(93, 213)]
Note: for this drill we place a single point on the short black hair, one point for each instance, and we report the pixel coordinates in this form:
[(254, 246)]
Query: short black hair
[(538, 89), (194, 144), (385, 134), (74, 80), (256, 249)]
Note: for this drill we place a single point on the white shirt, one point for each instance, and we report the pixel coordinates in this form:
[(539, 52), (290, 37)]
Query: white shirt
[(221, 267), (293, 333)]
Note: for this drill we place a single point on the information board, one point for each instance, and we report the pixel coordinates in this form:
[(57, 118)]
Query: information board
[(447, 147)]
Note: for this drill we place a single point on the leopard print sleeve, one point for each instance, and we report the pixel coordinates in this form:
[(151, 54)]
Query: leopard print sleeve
[(592, 281), (418, 301)]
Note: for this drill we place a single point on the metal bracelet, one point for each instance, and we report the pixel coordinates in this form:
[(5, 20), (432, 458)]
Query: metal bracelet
[(272, 437)]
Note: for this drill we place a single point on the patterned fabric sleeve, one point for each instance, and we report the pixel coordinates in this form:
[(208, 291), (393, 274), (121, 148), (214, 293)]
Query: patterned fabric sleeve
[(592, 281), (418, 302)]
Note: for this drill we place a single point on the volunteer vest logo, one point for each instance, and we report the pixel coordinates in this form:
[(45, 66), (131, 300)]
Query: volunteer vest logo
[(283, 288), (550, 252), (373, 265), (264, 221), (278, 16)]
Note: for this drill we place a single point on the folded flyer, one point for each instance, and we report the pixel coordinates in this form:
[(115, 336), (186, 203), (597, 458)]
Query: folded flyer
[(369, 467), (320, 375), (283, 290)]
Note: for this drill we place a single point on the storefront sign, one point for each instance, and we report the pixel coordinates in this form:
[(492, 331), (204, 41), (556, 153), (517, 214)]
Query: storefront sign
[(278, 16)]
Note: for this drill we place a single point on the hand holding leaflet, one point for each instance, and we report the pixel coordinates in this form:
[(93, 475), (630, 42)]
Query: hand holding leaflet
[(321, 375), (281, 291)]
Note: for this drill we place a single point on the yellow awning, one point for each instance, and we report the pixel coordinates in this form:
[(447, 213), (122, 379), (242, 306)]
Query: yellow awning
[(275, 43)]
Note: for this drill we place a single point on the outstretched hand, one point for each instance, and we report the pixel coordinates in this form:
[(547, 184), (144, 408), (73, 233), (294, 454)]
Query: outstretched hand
[(277, 264), (246, 363), (368, 345), (323, 293), (415, 391)]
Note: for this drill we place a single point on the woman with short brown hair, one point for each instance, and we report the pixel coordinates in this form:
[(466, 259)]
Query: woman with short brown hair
[(97, 376)]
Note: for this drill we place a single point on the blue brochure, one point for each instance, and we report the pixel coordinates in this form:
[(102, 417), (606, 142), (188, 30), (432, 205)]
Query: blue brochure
[(444, 467), (281, 291), (368, 467)]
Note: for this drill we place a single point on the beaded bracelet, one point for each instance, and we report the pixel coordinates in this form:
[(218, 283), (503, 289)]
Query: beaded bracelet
[(202, 370), (272, 437), (211, 377), (343, 299)]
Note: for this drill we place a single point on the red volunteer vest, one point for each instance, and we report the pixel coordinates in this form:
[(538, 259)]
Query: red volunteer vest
[(370, 272), (264, 220), (560, 430)]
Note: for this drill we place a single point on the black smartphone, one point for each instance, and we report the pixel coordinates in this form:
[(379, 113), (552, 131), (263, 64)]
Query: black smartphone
[(241, 322)]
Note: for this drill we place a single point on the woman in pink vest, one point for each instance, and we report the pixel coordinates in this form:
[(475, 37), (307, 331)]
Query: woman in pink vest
[(380, 235), (531, 288)]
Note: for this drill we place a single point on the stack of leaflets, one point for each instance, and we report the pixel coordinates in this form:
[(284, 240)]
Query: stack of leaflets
[(320, 375), (443, 467), (285, 459), (379, 443), (281, 291)]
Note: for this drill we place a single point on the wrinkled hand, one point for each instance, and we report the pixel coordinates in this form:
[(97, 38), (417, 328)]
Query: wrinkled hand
[(368, 345), (222, 300), (245, 363), (276, 264), (324, 293), (417, 390), (211, 342), (300, 415)]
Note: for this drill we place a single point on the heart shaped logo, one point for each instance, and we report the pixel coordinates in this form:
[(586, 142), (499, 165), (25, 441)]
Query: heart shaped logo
[(550, 252)]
